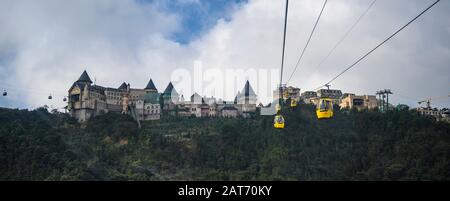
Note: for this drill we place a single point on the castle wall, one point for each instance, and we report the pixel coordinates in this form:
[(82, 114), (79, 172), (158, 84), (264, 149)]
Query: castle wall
[(82, 115), (86, 101), (136, 94), (152, 111)]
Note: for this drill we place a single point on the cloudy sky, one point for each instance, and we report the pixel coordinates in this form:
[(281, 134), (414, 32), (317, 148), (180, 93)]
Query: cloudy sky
[(45, 46)]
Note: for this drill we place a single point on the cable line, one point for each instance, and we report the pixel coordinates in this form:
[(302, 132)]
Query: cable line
[(407, 97), (376, 47), (309, 39), (284, 44), (278, 121), (30, 90), (346, 34)]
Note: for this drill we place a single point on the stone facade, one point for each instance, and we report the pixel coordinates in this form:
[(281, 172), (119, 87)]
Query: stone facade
[(289, 92), (439, 115), (309, 97), (87, 100), (362, 102)]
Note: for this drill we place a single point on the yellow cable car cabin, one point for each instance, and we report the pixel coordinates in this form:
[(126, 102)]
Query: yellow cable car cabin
[(278, 122), (293, 103), (324, 108)]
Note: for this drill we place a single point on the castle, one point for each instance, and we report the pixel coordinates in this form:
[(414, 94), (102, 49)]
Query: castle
[(86, 100)]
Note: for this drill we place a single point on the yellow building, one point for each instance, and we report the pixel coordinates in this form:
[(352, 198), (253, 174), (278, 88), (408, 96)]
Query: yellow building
[(289, 92), (350, 101)]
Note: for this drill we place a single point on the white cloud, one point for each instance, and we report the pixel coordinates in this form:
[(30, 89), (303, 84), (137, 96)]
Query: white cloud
[(116, 41), (407, 62), (56, 40)]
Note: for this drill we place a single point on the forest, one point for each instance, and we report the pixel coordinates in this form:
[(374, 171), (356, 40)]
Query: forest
[(354, 145)]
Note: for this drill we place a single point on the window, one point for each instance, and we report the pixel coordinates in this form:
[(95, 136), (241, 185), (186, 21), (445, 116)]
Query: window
[(358, 102)]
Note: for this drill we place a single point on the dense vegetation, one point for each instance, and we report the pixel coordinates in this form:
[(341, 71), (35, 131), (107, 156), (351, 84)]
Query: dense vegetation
[(399, 145)]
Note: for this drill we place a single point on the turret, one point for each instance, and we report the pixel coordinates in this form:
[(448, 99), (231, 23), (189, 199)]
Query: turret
[(84, 78), (170, 97), (150, 87), (124, 87), (170, 90), (248, 96)]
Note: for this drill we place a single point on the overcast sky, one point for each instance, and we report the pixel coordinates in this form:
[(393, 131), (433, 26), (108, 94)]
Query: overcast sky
[(45, 45)]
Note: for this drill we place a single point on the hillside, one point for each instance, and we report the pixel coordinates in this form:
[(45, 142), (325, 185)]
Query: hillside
[(400, 145)]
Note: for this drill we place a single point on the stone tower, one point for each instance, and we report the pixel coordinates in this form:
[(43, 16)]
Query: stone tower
[(85, 100)]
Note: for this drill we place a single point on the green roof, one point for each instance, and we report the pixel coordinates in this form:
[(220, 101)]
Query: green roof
[(151, 98), (170, 90)]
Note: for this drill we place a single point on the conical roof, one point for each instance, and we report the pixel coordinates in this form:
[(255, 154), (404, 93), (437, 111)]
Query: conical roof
[(248, 90), (170, 90), (84, 77), (150, 85), (123, 86), (236, 97)]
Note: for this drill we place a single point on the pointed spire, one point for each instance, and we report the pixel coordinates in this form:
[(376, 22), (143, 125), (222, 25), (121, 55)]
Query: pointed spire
[(84, 78), (123, 86), (248, 90), (170, 90), (150, 85)]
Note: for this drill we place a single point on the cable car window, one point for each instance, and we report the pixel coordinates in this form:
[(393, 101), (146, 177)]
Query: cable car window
[(323, 106)]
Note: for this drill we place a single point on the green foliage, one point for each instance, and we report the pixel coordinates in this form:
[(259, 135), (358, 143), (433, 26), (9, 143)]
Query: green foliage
[(366, 145)]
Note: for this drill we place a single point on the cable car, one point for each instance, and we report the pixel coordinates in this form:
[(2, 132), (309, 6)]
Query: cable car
[(5, 93), (324, 108), (278, 122), (293, 103), (64, 99), (50, 97)]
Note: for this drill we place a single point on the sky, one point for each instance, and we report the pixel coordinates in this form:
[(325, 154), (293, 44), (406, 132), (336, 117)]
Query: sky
[(45, 46)]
